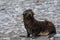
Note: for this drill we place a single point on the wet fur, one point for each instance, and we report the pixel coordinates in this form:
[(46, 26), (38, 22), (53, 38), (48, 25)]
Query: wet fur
[(36, 27)]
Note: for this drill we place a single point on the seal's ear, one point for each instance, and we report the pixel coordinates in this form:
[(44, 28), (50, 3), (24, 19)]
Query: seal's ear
[(33, 13), (23, 13)]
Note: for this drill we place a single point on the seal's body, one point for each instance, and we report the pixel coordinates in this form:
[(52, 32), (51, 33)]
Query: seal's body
[(36, 27)]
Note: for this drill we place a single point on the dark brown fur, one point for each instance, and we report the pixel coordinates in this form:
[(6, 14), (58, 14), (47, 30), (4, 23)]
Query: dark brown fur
[(35, 27)]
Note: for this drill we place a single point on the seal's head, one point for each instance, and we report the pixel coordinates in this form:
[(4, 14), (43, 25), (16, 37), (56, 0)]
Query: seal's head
[(28, 13)]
